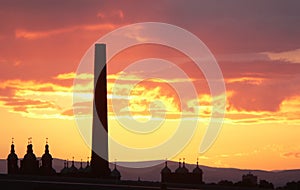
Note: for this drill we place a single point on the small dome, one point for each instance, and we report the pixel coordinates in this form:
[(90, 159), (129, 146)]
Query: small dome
[(179, 168), (81, 169), (88, 168), (183, 169), (47, 156), (73, 169), (115, 173), (197, 170), (166, 169), (65, 169), (12, 155), (29, 155)]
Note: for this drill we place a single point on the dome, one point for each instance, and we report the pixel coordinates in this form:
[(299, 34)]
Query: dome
[(73, 169), (115, 173), (12, 155), (29, 155), (88, 168), (183, 169), (64, 170), (179, 168), (81, 169), (197, 170), (47, 156), (166, 169)]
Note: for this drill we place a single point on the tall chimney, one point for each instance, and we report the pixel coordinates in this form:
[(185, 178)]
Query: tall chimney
[(99, 163)]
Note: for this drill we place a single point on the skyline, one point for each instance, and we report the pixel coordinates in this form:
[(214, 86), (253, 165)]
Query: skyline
[(256, 46)]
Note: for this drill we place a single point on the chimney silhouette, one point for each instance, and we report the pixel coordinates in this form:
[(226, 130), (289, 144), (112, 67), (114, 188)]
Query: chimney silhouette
[(99, 163)]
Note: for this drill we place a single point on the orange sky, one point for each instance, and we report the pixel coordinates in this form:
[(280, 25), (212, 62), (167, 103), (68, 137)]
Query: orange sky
[(256, 45)]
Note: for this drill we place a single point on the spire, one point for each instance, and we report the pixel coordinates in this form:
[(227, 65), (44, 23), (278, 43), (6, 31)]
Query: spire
[(29, 146), (87, 162), (179, 163), (12, 160), (197, 169), (80, 163), (183, 162), (12, 148), (46, 147), (73, 161)]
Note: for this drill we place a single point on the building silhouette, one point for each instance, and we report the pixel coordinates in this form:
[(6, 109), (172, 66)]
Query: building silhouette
[(12, 161), (46, 167), (181, 175), (86, 171), (99, 166), (29, 164)]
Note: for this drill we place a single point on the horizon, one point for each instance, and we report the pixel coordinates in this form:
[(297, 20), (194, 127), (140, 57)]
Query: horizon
[(256, 45)]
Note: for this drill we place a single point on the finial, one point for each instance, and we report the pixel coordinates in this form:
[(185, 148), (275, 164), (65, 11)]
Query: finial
[(47, 140), (12, 140), (30, 140)]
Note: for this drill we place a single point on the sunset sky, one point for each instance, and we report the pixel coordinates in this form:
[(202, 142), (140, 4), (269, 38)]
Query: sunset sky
[(256, 44)]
